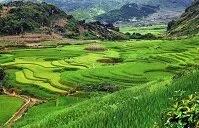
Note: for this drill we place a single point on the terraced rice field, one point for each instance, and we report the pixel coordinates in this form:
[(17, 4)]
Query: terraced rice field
[(142, 72), (137, 107), (58, 70)]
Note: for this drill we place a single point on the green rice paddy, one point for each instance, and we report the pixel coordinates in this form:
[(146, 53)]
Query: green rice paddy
[(144, 76), (58, 70)]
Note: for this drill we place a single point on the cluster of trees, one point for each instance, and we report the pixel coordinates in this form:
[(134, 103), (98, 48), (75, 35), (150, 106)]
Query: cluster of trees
[(104, 31), (99, 87), (147, 36)]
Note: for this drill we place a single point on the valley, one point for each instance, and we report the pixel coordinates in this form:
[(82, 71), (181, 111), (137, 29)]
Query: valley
[(58, 70)]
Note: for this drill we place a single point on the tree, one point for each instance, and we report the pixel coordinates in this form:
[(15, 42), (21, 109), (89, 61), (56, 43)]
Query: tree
[(2, 74)]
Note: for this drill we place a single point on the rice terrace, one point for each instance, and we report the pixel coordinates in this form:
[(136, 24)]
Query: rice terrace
[(75, 74)]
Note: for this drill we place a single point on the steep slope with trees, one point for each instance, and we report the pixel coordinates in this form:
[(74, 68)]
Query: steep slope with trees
[(27, 17), (187, 24)]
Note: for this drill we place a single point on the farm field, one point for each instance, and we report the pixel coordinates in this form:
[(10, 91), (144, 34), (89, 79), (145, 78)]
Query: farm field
[(154, 29), (126, 108), (102, 79), (8, 106)]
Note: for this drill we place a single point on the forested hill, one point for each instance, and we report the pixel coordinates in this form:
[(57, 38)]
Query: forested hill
[(187, 24), (27, 17), (19, 17)]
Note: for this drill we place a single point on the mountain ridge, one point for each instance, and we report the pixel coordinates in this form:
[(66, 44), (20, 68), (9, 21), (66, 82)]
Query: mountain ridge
[(128, 12), (87, 9)]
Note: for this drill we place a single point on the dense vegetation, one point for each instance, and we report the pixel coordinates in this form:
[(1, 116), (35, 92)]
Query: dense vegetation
[(184, 113), (19, 17), (147, 36), (187, 24), (127, 13)]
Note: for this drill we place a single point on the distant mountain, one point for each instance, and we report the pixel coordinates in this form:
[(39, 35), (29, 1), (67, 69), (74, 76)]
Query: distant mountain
[(154, 11), (27, 17), (87, 9), (171, 4), (187, 24), (127, 13)]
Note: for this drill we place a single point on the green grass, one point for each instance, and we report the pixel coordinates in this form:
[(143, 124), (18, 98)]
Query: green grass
[(8, 106), (154, 29)]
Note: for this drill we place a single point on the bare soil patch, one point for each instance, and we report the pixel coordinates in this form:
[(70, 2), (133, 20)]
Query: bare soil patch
[(29, 38)]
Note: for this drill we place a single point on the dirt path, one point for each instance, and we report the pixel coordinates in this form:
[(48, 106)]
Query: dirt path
[(29, 102)]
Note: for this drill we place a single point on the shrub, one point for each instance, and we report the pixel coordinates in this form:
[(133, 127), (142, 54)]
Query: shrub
[(95, 48), (2, 75), (72, 91), (184, 113), (101, 87), (111, 60), (65, 69), (147, 36)]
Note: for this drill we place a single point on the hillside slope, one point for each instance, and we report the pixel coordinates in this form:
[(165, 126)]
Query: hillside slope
[(187, 24), (27, 17), (20, 17)]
